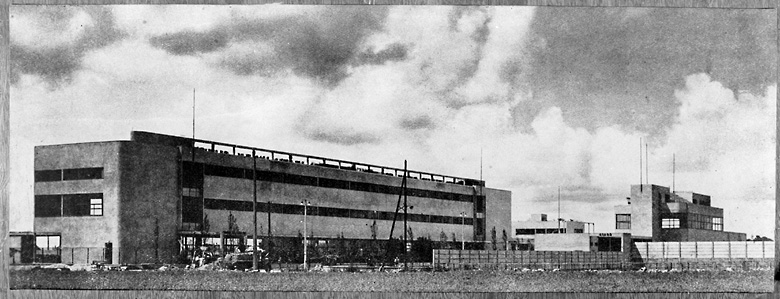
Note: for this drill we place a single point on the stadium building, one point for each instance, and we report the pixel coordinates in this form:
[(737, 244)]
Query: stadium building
[(156, 196)]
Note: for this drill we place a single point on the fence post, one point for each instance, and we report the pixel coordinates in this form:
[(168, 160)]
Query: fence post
[(87, 255), (663, 250), (696, 250), (729, 243), (713, 249), (763, 249)]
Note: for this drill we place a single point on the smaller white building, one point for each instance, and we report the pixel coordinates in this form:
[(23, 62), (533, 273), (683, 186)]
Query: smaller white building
[(525, 232)]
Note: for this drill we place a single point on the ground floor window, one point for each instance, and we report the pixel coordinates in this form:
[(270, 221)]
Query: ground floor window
[(47, 248)]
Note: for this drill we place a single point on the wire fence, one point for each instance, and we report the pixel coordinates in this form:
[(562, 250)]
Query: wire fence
[(743, 255), (85, 255)]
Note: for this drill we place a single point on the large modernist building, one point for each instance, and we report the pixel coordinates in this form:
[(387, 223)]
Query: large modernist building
[(654, 213), (159, 194)]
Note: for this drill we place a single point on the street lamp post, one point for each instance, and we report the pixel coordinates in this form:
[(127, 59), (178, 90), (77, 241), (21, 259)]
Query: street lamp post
[(462, 237), (305, 241)]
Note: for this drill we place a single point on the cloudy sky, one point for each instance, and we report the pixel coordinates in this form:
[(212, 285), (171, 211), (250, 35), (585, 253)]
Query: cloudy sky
[(550, 96)]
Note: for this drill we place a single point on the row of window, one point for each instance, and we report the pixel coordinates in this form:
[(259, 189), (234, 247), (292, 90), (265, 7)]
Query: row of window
[(533, 231), (695, 221), (670, 223), (193, 173), (69, 174), (191, 211), (58, 205)]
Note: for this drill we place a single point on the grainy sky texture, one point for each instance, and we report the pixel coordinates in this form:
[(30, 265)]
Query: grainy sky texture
[(550, 96)]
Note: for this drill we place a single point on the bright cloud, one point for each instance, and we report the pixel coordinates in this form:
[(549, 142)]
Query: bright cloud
[(437, 87)]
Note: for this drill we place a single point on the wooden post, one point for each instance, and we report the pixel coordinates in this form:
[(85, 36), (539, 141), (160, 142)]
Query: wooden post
[(729, 244)]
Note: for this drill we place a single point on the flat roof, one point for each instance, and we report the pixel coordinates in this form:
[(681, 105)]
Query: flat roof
[(243, 150)]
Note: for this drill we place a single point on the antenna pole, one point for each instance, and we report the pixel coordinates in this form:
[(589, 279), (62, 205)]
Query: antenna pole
[(559, 209), (673, 168), (647, 166), (640, 165), (254, 210)]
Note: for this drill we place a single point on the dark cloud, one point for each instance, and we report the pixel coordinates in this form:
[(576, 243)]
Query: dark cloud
[(417, 123), (56, 65), (342, 137), (189, 42), (578, 194), (319, 43), (394, 52), (624, 64)]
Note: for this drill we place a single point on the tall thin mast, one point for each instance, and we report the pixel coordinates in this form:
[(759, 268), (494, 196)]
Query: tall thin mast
[(640, 165), (673, 166), (193, 115), (647, 165), (405, 229), (254, 210), (559, 209)]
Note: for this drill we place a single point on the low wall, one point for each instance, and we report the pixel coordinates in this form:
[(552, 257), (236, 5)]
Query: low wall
[(704, 250), (744, 264), (548, 260)]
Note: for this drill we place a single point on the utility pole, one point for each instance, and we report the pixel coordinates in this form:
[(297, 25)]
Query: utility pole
[(462, 236), (397, 208), (305, 240), (405, 229), (254, 210)]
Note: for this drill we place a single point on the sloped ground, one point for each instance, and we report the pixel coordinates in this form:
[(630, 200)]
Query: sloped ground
[(455, 281)]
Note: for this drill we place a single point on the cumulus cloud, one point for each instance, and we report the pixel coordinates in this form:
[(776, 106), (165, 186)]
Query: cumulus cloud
[(50, 42), (442, 87), (319, 43)]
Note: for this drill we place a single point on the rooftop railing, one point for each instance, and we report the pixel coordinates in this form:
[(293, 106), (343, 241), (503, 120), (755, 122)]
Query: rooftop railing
[(247, 151)]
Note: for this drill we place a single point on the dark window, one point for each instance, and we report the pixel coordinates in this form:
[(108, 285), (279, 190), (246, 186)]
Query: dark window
[(623, 221), (48, 206), (192, 175), (524, 231), (578, 230), (79, 204), (192, 210), (224, 171), (48, 175), (480, 204), (82, 174)]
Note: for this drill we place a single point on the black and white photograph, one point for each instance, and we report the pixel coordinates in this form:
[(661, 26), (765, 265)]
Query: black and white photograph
[(372, 149)]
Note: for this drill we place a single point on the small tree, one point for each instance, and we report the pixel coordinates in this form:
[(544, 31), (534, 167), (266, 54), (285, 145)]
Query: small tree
[(373, 230), (504, 238), (454, 241), (206, 224), (493, 237), (232, 225)]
